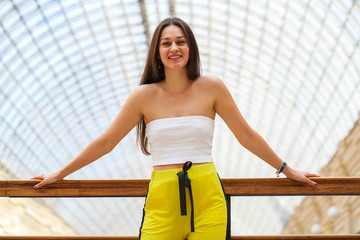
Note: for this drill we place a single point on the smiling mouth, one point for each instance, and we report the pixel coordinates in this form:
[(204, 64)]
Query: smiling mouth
[(175, 57)]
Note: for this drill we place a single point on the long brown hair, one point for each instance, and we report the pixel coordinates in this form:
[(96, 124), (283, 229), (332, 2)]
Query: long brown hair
[(154, 69)]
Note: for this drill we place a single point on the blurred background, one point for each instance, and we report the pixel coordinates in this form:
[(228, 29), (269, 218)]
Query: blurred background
[(66, 68)]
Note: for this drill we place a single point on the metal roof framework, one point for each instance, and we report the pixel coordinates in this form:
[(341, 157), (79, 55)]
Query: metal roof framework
[(67, 67)]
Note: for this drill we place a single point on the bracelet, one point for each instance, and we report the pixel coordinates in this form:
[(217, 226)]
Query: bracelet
[(281, 169)]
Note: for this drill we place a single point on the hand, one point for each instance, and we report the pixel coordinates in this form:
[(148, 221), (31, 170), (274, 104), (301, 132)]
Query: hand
[(300, 176), (47, 178)]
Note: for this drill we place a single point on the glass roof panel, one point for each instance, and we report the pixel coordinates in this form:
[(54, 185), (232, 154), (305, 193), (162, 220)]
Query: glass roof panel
[(68, 66)]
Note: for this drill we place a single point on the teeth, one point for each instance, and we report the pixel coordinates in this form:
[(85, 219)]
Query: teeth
[(175, 57)]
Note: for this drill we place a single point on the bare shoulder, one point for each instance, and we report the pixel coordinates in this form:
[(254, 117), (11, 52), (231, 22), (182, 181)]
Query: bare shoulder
[(144, 92), (208, 79), (145, 89), (211, 83), (140, 97)]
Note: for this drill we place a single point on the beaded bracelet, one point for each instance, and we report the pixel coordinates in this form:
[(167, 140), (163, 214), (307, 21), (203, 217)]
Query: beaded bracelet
[(281, 169)]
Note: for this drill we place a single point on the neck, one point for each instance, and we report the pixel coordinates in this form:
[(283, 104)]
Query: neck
[(176, 81)]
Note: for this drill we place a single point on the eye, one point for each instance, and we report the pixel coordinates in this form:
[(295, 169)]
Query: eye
[(165, 43)]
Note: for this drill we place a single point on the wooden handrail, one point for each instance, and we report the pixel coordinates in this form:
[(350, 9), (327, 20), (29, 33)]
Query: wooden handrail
[(138, 188), (271, 237)]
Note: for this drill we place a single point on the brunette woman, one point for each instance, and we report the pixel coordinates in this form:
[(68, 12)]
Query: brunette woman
[(174, 109)]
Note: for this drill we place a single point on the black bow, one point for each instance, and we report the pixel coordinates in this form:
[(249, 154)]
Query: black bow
[(184, 181)]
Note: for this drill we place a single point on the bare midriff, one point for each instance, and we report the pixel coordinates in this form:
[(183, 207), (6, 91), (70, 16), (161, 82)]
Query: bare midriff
[(172, 166)]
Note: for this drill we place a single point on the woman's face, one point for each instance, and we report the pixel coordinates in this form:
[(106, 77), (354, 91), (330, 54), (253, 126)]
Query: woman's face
[(173, 48)]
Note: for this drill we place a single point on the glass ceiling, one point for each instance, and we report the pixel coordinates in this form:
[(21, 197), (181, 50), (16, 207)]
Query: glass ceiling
[(66, 68)]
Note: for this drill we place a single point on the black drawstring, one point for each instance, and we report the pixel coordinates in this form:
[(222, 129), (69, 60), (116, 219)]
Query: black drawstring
[(184, 181)]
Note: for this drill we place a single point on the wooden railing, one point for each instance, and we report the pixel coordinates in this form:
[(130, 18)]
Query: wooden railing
[(138, 188), (275, 237)]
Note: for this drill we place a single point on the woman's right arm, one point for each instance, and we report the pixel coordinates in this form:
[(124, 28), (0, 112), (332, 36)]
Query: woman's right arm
[(127, 118)]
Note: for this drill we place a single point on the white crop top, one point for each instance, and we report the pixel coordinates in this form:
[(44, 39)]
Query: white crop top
[(180, 139)]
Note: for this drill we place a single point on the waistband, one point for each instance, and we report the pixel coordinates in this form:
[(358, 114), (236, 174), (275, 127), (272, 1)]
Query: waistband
[(194, 171)]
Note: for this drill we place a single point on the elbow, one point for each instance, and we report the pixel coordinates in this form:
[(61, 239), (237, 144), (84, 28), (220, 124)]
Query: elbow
[(104, 144), (248, 138)]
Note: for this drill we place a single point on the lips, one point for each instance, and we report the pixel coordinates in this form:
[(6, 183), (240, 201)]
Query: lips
[(174, 57)]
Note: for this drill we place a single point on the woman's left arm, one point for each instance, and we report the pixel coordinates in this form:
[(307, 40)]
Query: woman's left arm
[(226, 108)]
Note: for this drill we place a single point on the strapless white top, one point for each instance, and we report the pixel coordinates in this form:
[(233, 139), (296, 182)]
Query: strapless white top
[(180, 139)]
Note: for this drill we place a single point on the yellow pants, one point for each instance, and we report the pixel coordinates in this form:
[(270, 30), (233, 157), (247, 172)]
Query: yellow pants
[(162, 218)]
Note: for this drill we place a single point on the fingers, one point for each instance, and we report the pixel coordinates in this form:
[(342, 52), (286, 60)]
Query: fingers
[(41, 177), (312, 175), (46, 179), (310, 182), (39, 185), (304, 177), (38, 177)]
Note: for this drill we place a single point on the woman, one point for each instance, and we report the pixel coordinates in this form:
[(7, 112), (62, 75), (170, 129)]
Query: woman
[(174, 109)]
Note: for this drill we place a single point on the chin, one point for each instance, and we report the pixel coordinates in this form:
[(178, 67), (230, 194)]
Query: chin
[(176, 66)]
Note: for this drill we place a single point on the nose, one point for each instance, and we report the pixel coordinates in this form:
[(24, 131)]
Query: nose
[(174, 47)]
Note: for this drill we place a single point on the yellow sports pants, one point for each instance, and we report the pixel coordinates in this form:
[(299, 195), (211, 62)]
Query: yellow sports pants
[(162, 218)]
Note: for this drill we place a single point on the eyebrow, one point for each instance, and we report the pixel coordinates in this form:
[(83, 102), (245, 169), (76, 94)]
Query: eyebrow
[(169, 38)]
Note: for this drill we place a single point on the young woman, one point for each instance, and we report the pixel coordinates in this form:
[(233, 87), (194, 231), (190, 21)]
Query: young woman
[(174, 109)]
